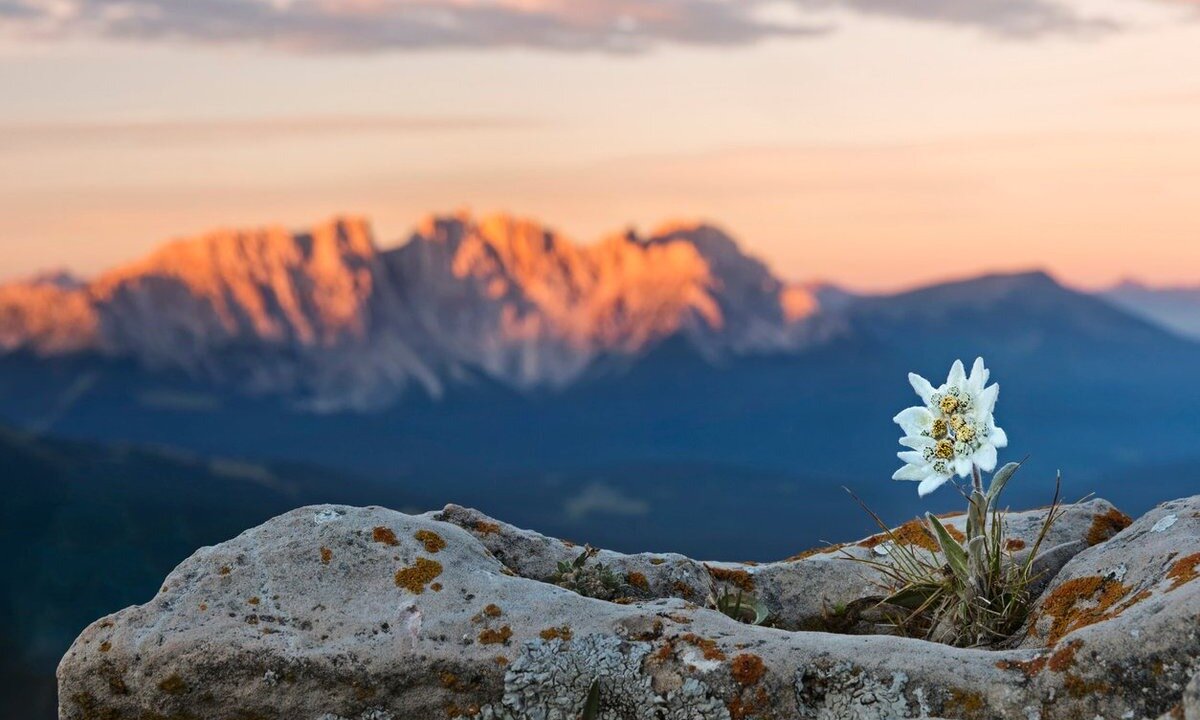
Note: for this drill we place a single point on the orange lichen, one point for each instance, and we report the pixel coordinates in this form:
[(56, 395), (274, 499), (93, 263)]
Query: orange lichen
[(638, 580), (1081, 602), (493, 610), (657, 561), (680, 589), (1105, 525), (737, 578), (666, 652), (105, 646), (707, 647), (431, 540), (1029, 667), (254, 600), (415, 578), (485, 528), (225, 570), (913, 532), (1184, 571), (745, 709), (1063, 659), (560, 633), (384, 535), (173, 685), (814, 551), (747, 669), (326, 555), (500, 660), (436, 587), (965, 704), (203, 607), (489, 636), (1014, 544)]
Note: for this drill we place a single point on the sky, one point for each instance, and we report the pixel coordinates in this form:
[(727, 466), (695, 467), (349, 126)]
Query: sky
[(875, 143)]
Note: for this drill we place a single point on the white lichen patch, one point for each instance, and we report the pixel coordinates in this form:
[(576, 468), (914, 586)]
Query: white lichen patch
[(1164, 523), (321, 517), (551, 680), (846, 692)]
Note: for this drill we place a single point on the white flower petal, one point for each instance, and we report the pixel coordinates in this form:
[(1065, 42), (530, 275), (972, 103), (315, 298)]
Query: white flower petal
[(998, 438), (910, 472), (985, 402), (978, 378), (985, 458), (962, 467), (913, 420), (917, 442), (912, 457), (957, 376), (931, 483), (922, 386)]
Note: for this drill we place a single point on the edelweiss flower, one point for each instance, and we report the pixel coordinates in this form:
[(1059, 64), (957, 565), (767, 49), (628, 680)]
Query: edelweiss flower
[(953, 431)]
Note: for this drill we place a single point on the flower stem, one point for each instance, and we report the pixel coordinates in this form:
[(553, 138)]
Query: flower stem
[(976, 478)]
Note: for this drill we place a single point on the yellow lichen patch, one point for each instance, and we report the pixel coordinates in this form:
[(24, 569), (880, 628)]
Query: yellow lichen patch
[(1014, 544), (489, 636), (1078, 687), (436, 587), (326, 555), (912, 532), (747, 669), (254, 600), (485, 528), (173, 685), (657, 561), (1081, 602), (384, 535), (493, 610), (735, 577), (559, 633), (105, 646), (1105, 525), (431, 540), (965, 704), (638, 580), (415, 578), (707, 647), (1184, 571)]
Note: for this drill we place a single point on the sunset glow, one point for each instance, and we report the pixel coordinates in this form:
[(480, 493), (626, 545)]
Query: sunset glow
[(866, 145)]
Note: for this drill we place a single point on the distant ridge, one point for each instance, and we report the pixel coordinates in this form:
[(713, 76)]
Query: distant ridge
[(324, 316)]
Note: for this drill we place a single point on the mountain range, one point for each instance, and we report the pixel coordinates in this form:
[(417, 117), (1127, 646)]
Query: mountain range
[(480, 353), (327, 319)]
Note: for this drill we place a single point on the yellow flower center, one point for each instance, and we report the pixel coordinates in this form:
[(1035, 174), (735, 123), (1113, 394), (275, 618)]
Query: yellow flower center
[(939, 429), (957, 422), (966, 433), (949, 404), (944, 450)]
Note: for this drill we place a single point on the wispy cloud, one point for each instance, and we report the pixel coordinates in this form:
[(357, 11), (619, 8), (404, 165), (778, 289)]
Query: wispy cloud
[(618, 26), (222, 130)]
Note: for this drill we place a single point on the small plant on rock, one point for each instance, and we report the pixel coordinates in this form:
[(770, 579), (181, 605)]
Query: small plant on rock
[(974, 591), (595, 580), (739, 605)]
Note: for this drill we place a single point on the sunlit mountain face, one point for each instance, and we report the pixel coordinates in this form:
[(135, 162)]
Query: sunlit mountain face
[(497, 350)]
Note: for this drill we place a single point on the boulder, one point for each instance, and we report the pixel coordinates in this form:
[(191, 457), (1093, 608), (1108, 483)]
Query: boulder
[(334, 612)]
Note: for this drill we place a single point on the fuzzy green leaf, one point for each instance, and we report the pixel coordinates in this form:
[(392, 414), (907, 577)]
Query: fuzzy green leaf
[(956, 557), (1000, 479)]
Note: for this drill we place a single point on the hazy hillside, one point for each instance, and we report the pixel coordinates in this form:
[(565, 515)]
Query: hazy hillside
[(88, 530)]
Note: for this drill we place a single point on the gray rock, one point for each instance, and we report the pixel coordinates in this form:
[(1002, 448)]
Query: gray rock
[(333, 612)]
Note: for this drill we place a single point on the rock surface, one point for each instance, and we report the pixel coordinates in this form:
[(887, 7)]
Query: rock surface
[(335, 612)]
